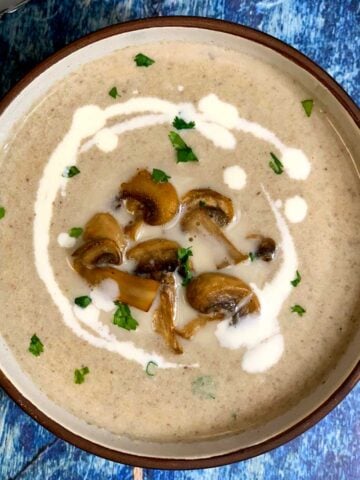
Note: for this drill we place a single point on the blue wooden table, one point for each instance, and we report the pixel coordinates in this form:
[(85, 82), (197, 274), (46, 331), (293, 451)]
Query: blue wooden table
[(328, 31)]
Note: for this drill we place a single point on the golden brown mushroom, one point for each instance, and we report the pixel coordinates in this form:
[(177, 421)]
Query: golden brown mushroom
[(217, 296), (157, 258), (158, 202), (206, 212), (266, 248), (104, 242)]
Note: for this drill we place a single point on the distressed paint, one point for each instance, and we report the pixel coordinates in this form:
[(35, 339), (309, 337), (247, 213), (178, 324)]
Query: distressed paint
[(325, 30)]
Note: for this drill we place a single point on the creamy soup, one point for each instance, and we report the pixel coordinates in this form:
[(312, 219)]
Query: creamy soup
[(179, 242)]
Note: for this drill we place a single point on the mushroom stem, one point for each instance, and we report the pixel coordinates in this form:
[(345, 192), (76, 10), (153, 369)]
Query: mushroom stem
[(188, 330), (163, 319), (198, 220), (135, 291)]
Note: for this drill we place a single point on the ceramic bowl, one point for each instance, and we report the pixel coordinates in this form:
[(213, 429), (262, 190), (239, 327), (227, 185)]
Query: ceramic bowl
[(308, 411)]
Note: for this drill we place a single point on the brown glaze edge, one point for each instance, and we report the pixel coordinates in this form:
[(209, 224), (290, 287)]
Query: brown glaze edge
[(351, 380)]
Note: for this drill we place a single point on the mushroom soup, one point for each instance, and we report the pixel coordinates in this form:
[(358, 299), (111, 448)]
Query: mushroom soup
[(179, 228)]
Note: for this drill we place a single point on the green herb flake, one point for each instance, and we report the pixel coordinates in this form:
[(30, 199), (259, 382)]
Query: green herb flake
[(75, 232), (308, 106), (184, 255), (71, 171), (180, 124), (79, 374), (159, 176), (252, 256), (298, 309), (114, 92), (142, 60), (123, 318), (151, 368), (204, 387), (183, 152), (296, 280), (2, 212), (275, 164), (202, 204), (83, 301), (35, 347)]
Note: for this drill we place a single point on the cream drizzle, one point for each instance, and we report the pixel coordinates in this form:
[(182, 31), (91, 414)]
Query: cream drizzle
[(214, 121)]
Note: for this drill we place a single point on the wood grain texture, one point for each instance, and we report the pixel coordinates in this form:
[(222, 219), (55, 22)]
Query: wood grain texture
[(325, 30)]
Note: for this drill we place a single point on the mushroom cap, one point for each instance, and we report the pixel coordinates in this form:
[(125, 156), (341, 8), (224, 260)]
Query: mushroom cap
[(217, 206), (154, 256), (217, 293), (104, 226), (159, 201)]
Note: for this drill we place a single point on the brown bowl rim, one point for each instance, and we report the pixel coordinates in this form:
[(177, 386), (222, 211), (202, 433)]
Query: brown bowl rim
[(330, 403)]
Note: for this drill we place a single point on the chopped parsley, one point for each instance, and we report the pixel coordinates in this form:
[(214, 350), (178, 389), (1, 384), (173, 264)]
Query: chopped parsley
[(298, 309), (296, 280), (2, 212), (252, 256), (204, 387), (180, 124), (202, 204), (308, 106), (183, 152), (75, 232), (83, 301), (113, 92), (123, 318), (184, 255), (70, 171), (36, 347), (276, 165), (79, 374), (142, 60), (151, 368), (159, 176)]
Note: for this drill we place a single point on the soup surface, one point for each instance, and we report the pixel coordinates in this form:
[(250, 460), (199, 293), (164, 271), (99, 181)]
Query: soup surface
[(244, 133)]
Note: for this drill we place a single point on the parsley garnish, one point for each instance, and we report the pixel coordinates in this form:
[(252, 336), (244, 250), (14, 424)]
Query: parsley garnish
[(71, 171), (183, 152), (123, 318), (142, 60), (276, 165), (298, 309), (36, 347), (79, 374), (252, 256), (308, 106), (151, 368), (204, 387), (114, 93), (180, 124), (184, 255), (159, 176), (202, 204), (2, 212), (75, 232), (83, 301), (296, 280)]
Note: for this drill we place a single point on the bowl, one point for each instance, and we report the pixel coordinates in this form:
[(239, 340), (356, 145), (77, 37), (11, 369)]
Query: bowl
[(202, 453)]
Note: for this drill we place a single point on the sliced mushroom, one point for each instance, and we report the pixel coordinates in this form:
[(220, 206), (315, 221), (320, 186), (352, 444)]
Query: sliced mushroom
[(266, 248), (159, 201), (104, 226), (215, 293), (104, 243), (194, 325), (155, 257), (135, 208), (164, 315), (206, 212)]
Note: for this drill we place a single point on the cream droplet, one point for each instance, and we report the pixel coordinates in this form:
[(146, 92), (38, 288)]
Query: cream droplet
[(295, 209), (296, 163), (65, 241), (106, 140), (235, 177)]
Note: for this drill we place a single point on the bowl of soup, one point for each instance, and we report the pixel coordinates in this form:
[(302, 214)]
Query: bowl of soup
[(179, 280)]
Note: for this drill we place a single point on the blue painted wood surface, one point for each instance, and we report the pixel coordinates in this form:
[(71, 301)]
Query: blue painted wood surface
[(328, 31)]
